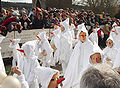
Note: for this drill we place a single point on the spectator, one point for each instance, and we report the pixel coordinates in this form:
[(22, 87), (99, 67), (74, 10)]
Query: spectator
[(25, 22), (38, 21)]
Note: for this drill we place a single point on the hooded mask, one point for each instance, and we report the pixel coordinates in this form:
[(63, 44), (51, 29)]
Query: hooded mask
[(14, 42), (65, 24), (82, 28), (45, 75), (96, 49), (42, 36), (28, 49)]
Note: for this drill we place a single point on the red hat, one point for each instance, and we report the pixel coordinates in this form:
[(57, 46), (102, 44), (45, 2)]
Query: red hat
[(60, 80), (21, 50)]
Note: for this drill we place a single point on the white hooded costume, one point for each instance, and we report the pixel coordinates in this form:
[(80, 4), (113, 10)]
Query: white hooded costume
[(14, 45), (117, 60), (73, 34), (43, 44), (28, 63), (115, 36), (110, 53), (56, 41), (1, 60), (44, 75), (94, 36), (65, 45), (79, 60)]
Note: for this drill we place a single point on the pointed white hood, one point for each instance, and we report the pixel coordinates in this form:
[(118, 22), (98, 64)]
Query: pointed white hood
[(96, 49), (82, 27), (14, 42), (114, 24), (45, 75), (28, 50), (42, 36), (111, 38), (65, 24)]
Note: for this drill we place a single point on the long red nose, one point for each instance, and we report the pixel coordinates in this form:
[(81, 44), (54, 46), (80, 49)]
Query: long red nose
[(83, 36), (60, 80), (21, 50), (11, 41), (75, 38), (37, 36)]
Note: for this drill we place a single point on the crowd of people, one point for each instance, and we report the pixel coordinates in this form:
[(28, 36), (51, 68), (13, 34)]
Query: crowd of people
[(85, 44)]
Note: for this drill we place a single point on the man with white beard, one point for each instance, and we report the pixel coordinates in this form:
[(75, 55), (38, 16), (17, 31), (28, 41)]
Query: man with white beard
[(65, 44), (1, 60), (79, 59)]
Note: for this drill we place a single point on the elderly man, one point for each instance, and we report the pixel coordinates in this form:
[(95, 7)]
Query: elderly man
[(100, 76)]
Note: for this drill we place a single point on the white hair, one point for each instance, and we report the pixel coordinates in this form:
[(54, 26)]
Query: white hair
[(100, 76)]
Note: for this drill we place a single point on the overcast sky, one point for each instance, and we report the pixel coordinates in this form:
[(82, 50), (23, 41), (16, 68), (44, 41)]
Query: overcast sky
[(27, 1)]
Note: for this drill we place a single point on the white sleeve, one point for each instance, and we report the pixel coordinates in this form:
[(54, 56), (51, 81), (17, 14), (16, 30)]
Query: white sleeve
[(23, 82), (117, 61)]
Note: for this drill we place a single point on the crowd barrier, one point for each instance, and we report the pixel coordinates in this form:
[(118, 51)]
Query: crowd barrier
[(25, 35)]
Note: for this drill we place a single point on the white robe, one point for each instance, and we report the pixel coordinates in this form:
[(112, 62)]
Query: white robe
[(46, 60), (16, 53), (23, 82), (56, 41), (27, 65), (117, 60), (1, 62), (65, 49), (78, 62), (94, 36), (44, 75), (110, 53), (116, 37)]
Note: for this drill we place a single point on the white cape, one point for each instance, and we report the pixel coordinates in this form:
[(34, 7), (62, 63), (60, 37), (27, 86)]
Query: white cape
[(79, 61)]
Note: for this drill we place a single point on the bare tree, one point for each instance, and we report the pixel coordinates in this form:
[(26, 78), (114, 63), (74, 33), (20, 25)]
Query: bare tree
[(100, 5), (42, 3)]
